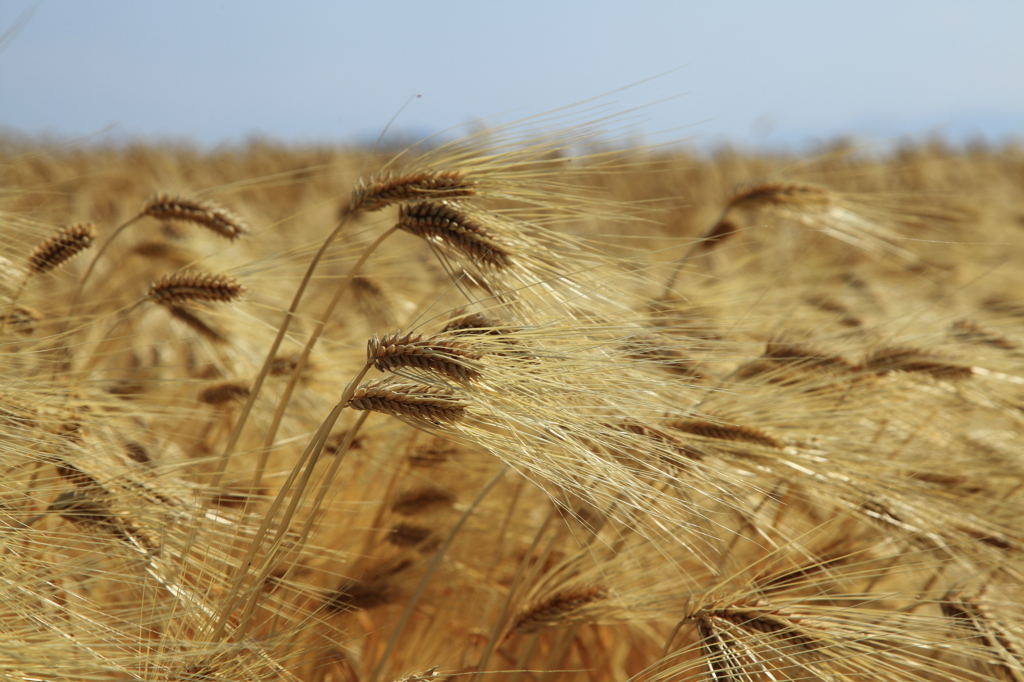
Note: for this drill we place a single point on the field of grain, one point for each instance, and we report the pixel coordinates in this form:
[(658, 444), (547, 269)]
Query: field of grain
[(517, 407)]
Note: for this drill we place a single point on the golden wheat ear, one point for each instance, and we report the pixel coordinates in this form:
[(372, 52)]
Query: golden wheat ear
[(191, 285), (219, 220), (224, 392), (452, 359), (69, 241), (392, 188), (419, 402), (556, 610), (443, 221)]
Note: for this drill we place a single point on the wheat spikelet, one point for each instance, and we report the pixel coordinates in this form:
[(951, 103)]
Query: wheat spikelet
[(83, 508), (830, 305), (474, 323), (434, 453), (665, 440), (372, 300), (206, 214), (22, 319), (558, 609), (407, 535), (439, 220), (1004, 304), (69, 241), (284, 365), (724, 431), (789, 194), (164, 251), (137, 452), (183, 287), (376, 588), (663, 353), (969, 332), (434, 404), (973, 616), (445, 357), (782, 355), (196, 324), (224, 392), (719, 232), (422, 500), (392, 188), (914, 360)]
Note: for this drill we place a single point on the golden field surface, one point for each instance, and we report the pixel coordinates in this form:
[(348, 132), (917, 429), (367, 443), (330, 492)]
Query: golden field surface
[(500, 409)]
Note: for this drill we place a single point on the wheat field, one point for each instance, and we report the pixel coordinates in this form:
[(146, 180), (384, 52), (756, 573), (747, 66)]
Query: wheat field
[(522, 406)]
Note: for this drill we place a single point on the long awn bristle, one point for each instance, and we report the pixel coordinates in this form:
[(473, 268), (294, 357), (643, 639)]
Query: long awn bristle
[(206, 214), (183, 287), (443, 221), (69, 241)]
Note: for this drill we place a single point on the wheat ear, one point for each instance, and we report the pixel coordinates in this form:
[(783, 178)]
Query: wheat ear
[(391, 188), (794, 195), (556, 610), (445, 357), (219, 220), (191, 285), (224, 392), (443, 221), (419, 402), (69, 241)]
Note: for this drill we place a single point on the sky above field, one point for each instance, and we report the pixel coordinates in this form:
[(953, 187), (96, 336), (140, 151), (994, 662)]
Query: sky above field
[(778, 74)]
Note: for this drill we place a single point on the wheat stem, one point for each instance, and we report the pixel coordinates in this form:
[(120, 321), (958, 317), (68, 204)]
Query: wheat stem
[(99, 254), (257, 384), (309, 455), (328, 478), (300, 364)]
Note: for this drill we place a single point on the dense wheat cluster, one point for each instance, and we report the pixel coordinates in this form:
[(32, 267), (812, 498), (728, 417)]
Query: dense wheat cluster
[(511, 408)]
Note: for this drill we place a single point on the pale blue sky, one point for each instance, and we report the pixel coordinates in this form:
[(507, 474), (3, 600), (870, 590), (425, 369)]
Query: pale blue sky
[(755, 73)]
